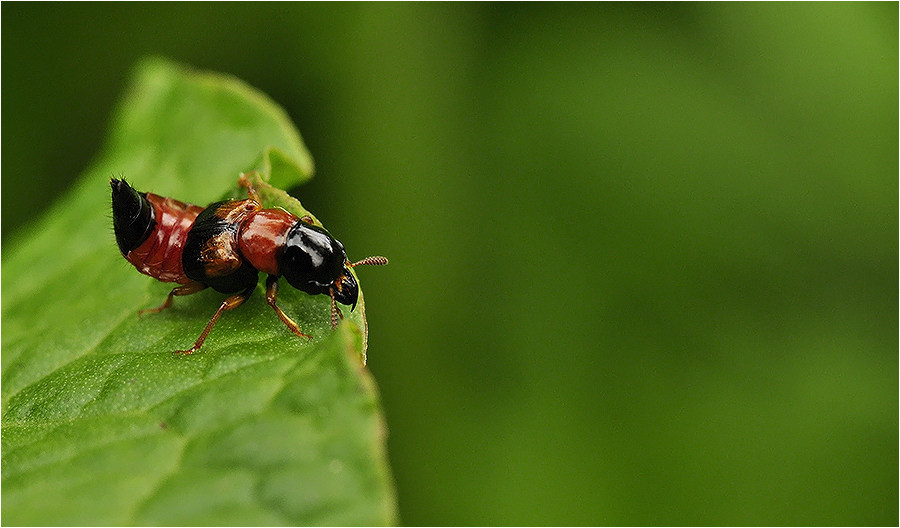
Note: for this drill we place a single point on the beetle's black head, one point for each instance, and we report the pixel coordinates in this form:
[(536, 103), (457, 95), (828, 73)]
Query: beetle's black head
[(315, 262), (346, 290)]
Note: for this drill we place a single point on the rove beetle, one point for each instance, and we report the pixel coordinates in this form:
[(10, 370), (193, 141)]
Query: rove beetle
[(225, 245)]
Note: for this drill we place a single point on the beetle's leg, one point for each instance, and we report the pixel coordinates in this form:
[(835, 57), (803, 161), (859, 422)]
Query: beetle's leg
[(187, 289), (271, 296), (228, 304), (244, 181)]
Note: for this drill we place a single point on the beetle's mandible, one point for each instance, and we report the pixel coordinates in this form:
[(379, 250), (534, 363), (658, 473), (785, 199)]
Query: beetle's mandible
[(226, 245)]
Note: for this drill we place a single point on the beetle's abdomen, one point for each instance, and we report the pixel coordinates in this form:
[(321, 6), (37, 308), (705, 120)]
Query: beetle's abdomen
[(151, 231), (211, 253), (133, 217)]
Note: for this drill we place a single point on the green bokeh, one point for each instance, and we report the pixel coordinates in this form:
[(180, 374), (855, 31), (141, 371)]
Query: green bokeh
[(643, 257)]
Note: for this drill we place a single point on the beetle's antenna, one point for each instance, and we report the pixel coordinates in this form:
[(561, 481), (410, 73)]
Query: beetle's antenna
[(370, 261), (334, 311)]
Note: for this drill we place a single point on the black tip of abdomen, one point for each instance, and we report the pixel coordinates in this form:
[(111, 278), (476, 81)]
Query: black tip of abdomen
[(133, 217)]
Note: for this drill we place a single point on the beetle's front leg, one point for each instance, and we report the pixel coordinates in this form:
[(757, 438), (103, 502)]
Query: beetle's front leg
[(271, 297)]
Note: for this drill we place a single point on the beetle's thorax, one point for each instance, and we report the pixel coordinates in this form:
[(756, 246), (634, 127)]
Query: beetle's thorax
[(263, 236)]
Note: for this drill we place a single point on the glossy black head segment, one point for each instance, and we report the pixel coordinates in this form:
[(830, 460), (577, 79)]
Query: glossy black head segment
[(133, 218), (312, 260)]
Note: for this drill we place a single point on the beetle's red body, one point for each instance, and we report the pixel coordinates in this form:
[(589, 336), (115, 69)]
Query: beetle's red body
[(225, 245), (160, 255), (262, 235)]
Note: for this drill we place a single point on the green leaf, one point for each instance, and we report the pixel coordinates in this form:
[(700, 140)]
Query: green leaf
[(103, 425)]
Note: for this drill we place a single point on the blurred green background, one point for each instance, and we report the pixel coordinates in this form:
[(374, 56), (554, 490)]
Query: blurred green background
[(644, 257)]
